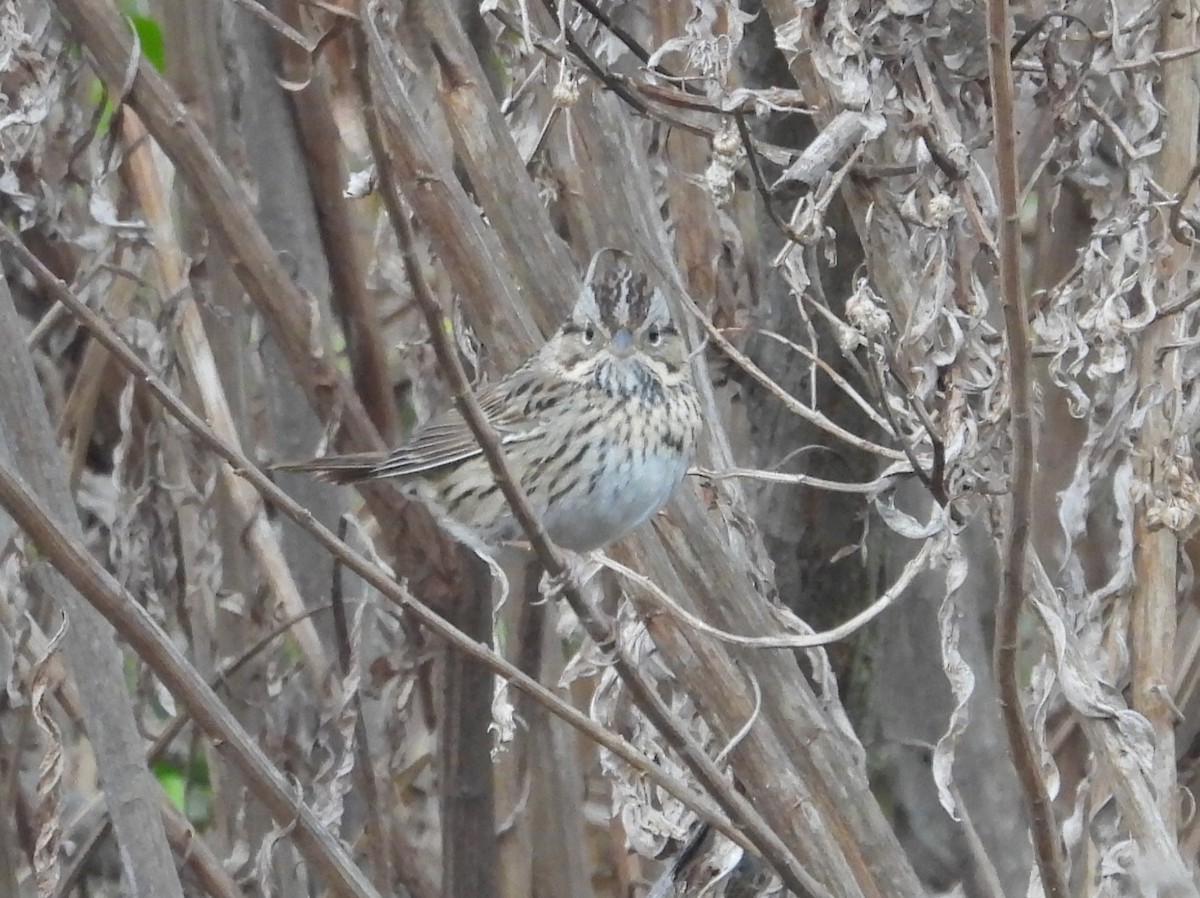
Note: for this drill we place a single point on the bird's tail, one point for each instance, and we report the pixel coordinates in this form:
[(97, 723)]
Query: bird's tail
[(339, 469)]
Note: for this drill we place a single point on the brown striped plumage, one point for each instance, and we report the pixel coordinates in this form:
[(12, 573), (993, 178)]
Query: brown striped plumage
[(599, 426)]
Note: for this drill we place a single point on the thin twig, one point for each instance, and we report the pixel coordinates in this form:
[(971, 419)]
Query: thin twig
[(1157, 59), (870, 488), (915, 566), (631, 43), (934, 480), (276, 24), (372, 574), (789, 401), (1177, 216), (760, 182), (844, 385), (765, 841), (47, 323), (987, 880), (1046, 840), (1180, 305)]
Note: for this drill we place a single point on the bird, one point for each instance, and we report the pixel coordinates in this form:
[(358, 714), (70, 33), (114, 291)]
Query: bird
[(599, 427)]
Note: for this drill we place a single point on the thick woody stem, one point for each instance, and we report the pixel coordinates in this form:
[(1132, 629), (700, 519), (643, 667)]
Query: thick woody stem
[(764, 840), (67, 558)]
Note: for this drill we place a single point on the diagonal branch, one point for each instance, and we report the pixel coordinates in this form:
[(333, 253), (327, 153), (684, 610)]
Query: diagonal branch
[(418, 549), (370, 573), (156, 648), (765, 841), (226, 212)]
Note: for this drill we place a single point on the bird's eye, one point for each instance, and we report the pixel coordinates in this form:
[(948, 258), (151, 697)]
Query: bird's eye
[(589, 333), (654, 336)]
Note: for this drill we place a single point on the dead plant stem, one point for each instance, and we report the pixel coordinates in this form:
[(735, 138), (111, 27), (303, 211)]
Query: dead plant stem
[(766, 842), (1046, 840)]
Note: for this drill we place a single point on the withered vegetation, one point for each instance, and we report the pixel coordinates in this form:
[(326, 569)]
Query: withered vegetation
[(922, 620)]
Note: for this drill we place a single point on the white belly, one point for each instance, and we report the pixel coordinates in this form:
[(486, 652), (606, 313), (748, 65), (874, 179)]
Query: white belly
[(629, 494)]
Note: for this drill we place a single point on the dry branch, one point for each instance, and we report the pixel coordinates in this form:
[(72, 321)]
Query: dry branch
[(159, 652), (766, 841), (419, 549), (95, 663), (1046, 839), (201, 368), (355, 562), (1159, 450)]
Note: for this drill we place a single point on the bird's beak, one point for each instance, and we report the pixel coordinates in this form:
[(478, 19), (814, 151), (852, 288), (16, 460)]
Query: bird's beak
[(622, 343)]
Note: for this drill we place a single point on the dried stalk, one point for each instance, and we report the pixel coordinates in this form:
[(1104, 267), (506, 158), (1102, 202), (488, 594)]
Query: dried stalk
[(369, 572), (469, 251), (377, 835), (484, 146), (88, 651), (1046, 839), (1156, 444), (91, 824), (226, 211), (418, 548), (160, 653), (356, 307), (766, 842), (466, 784), (260, 537), (205, 864)]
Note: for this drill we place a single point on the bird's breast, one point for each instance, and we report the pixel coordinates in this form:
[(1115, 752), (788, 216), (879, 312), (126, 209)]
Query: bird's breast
[(624, 471)]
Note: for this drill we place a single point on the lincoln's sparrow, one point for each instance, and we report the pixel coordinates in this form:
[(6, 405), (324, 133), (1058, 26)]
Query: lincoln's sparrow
[(599, 426)]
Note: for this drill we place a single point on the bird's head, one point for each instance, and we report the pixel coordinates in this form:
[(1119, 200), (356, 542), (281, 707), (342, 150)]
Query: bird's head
[(621, 335)]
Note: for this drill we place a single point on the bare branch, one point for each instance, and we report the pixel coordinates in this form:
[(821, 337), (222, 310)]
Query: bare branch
[(1046, 838), (917, 565), (369, 572), (791, 402), (156, 648), (766, 841)]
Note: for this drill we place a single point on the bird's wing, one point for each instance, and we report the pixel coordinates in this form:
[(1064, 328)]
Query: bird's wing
[(446, 439)]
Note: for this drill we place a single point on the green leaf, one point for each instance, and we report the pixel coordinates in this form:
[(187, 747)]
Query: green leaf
[(173, 782), (150, 36), (153, 48)]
